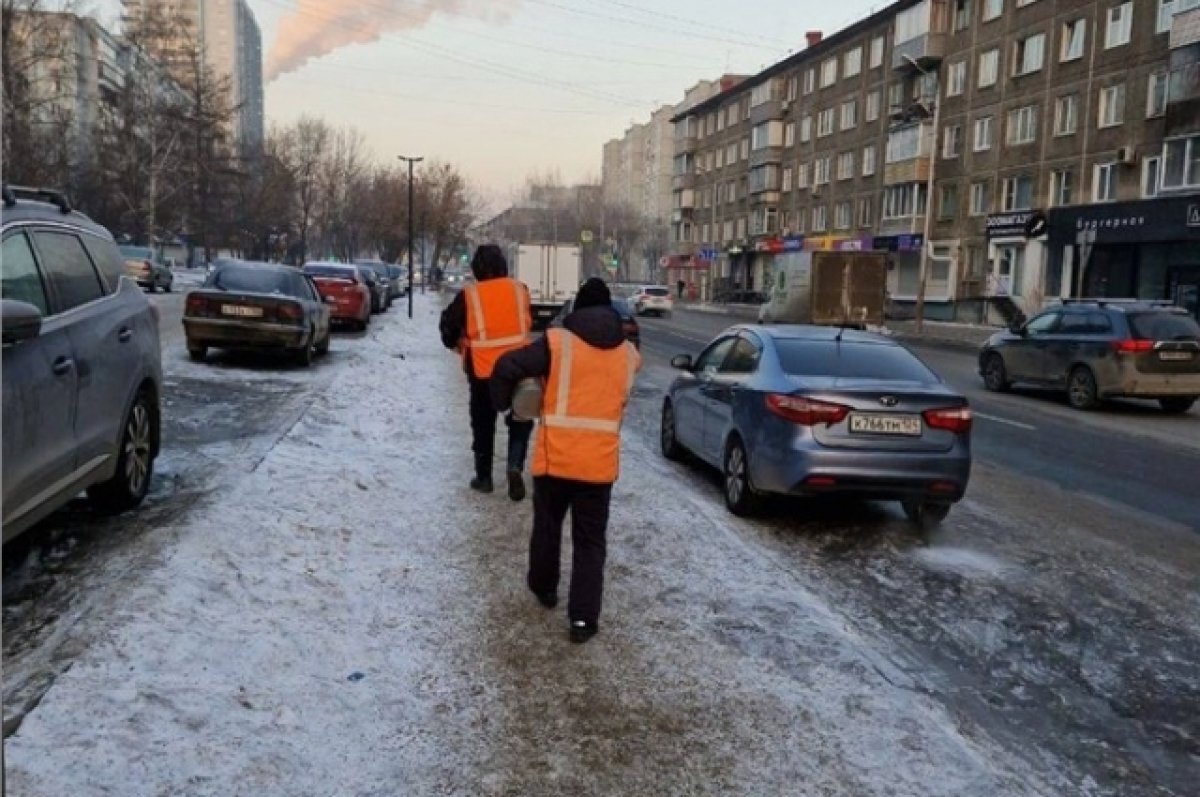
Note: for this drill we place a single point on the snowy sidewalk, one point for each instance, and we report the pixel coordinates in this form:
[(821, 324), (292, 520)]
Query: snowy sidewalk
[(350, 619)]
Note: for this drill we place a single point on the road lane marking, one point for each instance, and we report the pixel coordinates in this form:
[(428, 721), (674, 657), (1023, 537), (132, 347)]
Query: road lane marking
[(998, 419)]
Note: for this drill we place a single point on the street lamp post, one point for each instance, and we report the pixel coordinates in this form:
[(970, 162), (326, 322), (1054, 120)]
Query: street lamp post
[(411, 163)]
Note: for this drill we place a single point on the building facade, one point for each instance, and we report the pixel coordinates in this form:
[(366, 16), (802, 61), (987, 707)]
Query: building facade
[(961, 136)]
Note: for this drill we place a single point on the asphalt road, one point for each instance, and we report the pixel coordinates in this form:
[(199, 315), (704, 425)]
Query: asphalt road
[(1127, 453)]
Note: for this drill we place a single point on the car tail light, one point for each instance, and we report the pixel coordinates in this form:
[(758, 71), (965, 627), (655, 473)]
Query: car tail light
[(1133, 346), (289, 312), (952, 419), (806, 411), (944, 488), (821, 481), (196, 305)]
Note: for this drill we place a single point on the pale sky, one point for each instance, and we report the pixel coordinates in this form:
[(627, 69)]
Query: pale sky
[(541, 86)]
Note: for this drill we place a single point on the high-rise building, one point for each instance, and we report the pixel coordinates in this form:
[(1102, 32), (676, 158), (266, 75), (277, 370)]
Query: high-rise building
[(230, 43)]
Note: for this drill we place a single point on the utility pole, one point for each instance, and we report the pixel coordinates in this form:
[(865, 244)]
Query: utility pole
[(411, 163), (926, 246)]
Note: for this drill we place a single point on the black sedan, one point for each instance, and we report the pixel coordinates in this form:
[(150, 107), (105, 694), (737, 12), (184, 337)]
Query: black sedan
[(380, 282), (257, 306)]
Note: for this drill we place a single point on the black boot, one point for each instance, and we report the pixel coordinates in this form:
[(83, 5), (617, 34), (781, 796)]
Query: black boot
[(582, 631), (516, 485), (483, 474)]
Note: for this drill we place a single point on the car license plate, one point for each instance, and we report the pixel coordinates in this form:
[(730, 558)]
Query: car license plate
[(863, 423), (1175, 356), (241, 310)]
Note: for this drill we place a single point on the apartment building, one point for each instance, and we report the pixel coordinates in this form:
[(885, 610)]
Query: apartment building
[(1019, 150)]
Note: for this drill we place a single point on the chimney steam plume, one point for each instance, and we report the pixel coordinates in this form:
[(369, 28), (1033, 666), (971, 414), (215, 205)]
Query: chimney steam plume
[(316, 28)]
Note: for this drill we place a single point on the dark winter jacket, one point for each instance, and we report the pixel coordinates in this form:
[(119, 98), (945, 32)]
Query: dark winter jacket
[(453, 324), (596, 326)]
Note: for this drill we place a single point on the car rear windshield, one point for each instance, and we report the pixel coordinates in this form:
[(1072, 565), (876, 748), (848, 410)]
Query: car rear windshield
[(334, 272), (851, 360), (257, 280), (1163, 326), (658, 291), (139, 252)]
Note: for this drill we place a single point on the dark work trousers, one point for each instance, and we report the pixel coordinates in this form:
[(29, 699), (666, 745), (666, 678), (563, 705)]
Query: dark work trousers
[(552, 497), (483, 429)]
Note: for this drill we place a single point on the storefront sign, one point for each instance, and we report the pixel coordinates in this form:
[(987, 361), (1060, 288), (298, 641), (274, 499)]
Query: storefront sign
[(1114, 223), (793, 243), (1021, 224), (899, 243)]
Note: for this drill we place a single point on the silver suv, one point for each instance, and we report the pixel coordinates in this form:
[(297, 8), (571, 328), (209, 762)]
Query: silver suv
[(82, 365), (1099, 349)]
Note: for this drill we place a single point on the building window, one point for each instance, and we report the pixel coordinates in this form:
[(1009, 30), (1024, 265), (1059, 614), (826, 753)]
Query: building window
[(842, 218), (802, 175), (992, 9), (1074, 36), (956, 82), (821, 171), (721, 119), (1181, 163), (849, 114), (828, 72), (1151, 172), (846, 166), (1104, 182), (868, 160), (793, 88), (741, 227), (704, 235), (1061, 187), (1120, 26), (786, 185), (981, 198), (852, 63), (983, 134), (731, 153), (1168, 9), (1022, 125), (952, 141), (805, 129), (789, 134), (912, 23), (877, 52), (1010, 263), (872, 111), (865, 211), (764, 178), (1029, 54), (989, 68), (825, 123), (947, 202), (962, 15), (1017, 193), (819, 220), (745, 147), (903, 201), (1112, 106), (731, 114), (908, 142), (720, 158), (1156, 95), (810, 80), (1066, 115)]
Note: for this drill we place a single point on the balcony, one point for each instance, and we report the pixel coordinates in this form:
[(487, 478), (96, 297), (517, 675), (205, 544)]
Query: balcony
[(769, 111), (761, 157), (767, 196), (683, 182), (913, 170), (686, 200), (682, 214), (905, 225), (1183, 83), (925, 51)]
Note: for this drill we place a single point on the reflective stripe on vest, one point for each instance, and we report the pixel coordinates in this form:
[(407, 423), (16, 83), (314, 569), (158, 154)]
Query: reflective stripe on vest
[(511, 323), (569, 444)]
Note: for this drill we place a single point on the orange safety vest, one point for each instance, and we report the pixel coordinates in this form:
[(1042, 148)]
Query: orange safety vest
[(497, 321), (579, 432)]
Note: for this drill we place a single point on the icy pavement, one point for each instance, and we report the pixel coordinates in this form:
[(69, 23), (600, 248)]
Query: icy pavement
[(349, 619)]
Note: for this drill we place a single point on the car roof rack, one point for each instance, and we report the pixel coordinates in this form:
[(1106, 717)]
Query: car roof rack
[(1101, 302), (55, 197)]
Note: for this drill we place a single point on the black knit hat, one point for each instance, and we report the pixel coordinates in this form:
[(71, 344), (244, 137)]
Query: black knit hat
[(489, 262), (593, 293)]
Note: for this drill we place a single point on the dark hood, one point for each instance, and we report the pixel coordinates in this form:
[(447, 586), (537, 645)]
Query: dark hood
[(598, 326)]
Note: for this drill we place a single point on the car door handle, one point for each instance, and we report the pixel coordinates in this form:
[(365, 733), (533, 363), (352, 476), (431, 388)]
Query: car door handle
[(125, 334), (62, 366)]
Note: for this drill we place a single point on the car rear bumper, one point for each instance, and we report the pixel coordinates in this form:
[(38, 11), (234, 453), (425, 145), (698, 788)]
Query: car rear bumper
[(236, 334), (870, 474)]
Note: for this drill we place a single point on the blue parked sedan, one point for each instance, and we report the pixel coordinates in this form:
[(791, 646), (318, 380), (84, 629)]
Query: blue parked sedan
[(804, 410)]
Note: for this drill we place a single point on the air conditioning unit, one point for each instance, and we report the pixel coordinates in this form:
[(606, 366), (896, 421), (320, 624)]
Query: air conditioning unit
[(1127, 156)]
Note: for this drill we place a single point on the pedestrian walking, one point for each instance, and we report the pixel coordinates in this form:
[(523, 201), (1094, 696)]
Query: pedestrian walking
[(679, 286), (589, 369), (488, 318)]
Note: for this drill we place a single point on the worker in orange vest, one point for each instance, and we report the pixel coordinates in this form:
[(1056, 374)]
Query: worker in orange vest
[(489, 317), (589, 369)]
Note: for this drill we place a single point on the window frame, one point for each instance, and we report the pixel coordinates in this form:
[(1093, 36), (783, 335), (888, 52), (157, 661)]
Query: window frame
[(1104, 105), (991, 133), (993, 73), (1124, 27), (1112, 169), (57, 301)]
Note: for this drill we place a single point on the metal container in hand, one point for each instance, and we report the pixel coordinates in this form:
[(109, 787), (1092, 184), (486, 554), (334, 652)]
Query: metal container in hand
[(527, 400)]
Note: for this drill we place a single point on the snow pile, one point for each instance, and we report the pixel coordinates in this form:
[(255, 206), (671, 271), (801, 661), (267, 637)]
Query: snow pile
[(350, 619)]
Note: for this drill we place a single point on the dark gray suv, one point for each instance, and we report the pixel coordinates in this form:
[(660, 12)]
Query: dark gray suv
[(82, 365), (1100, 349)]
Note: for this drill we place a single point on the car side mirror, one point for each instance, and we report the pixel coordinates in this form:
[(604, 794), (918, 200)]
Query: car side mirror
[(682, 361), (1017, 327), (22, 321)]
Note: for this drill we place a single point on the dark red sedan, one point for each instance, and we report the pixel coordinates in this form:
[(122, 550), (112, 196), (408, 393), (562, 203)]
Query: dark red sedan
[(345, 285)]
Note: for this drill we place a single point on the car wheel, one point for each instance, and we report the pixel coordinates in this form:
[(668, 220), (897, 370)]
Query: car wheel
[(1177, 405), (995, 375), (135, 461), (671, 449), (1081, 389), (739, 495), (167, 287), (306, 355), (926, 514), (323, 346), (198, 353)]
